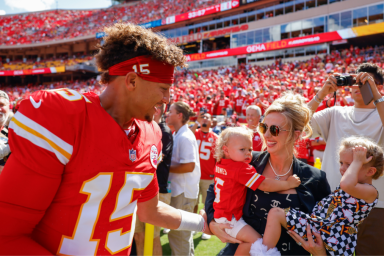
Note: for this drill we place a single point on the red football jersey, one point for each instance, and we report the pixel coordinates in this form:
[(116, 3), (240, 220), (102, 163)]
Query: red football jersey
[(206, 143), (223, 103), (239, 101), (231, 182), (73, 180)]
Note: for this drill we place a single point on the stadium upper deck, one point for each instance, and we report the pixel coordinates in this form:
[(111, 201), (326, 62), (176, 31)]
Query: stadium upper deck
[(29, 28)]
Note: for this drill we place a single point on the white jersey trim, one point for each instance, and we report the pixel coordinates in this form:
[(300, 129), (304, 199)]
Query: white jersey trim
[(40, 136), (252, 180)]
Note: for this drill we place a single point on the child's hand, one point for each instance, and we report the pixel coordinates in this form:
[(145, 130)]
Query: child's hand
[(360, 155), (294, 181)]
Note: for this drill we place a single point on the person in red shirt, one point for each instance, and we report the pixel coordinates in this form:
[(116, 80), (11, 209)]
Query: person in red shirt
[(262, 103), (248, 101), (208, 105), (253, 119), (233, 175), (239, 101), (66, 191), (302, 149), (222, 104)]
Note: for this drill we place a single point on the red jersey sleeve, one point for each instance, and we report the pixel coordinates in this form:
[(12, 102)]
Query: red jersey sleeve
[(153, 188), (41, 138), (247, 175)]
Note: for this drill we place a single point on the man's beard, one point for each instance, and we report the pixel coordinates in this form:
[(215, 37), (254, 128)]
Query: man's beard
[(3, 118)]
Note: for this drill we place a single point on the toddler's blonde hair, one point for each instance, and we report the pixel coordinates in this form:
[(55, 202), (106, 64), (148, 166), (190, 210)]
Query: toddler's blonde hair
[(226, 135), (373, 150)]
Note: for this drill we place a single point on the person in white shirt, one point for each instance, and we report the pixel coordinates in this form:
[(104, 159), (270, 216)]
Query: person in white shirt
[(335, 123), (184, 174)]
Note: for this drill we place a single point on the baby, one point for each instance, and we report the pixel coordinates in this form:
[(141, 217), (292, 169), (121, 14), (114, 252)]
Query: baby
[(337, 216), (233, 175)]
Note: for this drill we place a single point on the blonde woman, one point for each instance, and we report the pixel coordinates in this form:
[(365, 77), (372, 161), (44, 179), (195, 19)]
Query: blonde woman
[(285, 121)]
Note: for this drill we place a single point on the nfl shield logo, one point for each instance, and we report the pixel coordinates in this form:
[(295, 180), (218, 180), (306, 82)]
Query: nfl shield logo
[(132, 155)]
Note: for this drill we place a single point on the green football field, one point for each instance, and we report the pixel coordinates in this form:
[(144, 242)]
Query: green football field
[(202, 247)]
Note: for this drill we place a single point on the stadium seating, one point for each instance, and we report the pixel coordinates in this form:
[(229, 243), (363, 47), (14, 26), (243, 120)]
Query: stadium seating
[(33, 64), (64, 24)]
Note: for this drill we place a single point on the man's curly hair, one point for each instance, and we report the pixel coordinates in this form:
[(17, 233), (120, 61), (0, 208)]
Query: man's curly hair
[(124, 41)]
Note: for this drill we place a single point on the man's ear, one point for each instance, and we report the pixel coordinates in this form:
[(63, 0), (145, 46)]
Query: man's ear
[(130, 81)]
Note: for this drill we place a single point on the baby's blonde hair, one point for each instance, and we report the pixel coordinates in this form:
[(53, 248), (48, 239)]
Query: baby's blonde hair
[(226, 135), (373, 150)]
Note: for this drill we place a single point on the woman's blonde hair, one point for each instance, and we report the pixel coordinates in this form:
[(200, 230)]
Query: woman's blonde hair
[(373, 150), (226, 135), (297, 115)]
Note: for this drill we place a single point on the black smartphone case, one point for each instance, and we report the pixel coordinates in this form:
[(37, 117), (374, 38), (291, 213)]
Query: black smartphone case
[(366, 92)]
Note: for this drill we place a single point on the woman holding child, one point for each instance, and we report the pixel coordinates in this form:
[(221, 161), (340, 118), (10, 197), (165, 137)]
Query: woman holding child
[(286, 120)]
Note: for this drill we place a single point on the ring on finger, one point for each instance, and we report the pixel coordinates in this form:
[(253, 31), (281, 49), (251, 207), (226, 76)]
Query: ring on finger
[(300, 244)]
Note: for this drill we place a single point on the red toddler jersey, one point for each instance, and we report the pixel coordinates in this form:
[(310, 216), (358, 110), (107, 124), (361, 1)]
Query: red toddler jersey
[(73, 180), (231, 182), (206, 143)]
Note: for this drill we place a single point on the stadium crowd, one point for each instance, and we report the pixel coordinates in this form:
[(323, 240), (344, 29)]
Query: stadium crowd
[(45, 63), (64, 24)]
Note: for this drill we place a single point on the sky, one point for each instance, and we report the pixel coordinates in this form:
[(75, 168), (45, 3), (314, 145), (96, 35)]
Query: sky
[(19, 6)]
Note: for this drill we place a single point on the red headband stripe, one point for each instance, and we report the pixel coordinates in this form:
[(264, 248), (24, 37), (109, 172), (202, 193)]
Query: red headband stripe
[(146, 68)]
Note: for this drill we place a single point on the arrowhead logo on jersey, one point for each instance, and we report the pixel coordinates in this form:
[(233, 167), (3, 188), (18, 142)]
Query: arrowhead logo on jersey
[(153, 156), (34, 103), (132, 155)]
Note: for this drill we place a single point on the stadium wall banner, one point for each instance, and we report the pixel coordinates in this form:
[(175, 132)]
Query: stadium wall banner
[(152, 24), (33, 71), (292, 42), (208, 34), (201, 12)]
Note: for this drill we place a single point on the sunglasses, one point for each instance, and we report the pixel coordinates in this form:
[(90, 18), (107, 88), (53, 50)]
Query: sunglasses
[(273, 129)]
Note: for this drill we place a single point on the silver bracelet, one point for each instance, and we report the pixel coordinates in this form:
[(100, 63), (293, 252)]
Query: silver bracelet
[(378, 101), (317, 97)]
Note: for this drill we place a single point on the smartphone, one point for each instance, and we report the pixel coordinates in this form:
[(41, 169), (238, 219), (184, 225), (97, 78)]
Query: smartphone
[(366, 92)]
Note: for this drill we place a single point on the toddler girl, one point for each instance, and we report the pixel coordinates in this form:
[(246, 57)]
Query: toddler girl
[(337, 216), (232, 175)]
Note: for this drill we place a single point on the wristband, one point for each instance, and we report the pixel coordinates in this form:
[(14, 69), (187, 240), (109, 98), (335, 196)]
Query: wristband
[(378, 101), (317, 98), (191, 222), (198, 124)]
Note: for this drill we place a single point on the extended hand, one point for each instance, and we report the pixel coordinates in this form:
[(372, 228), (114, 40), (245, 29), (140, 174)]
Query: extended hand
[(364, 77), (294, 181), (329, 87), (316, 248), (360, 155)]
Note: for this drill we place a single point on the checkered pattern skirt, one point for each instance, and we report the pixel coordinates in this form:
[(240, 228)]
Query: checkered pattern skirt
[(336, 217)]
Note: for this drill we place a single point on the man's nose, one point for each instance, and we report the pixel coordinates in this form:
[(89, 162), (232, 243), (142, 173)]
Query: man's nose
[(166, 97)]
